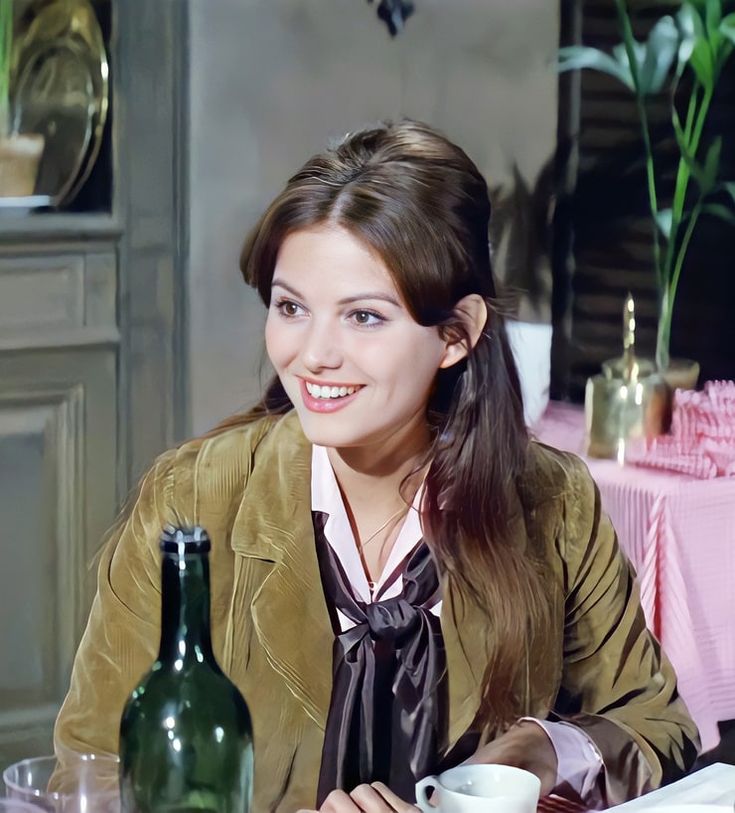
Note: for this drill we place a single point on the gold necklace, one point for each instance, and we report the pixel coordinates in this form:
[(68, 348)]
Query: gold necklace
[(401, 510)]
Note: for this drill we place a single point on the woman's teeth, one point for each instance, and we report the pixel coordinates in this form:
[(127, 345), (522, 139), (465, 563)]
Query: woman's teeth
[(317, 391)]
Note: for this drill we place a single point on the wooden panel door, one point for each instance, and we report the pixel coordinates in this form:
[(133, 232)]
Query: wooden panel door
[(57, 490), (58, 454)]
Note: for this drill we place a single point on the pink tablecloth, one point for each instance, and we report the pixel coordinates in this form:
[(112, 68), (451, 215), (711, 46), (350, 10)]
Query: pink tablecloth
[(679, 533)]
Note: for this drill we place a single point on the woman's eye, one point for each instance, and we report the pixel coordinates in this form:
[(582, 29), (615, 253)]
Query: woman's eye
[(288, 308), (367, 318)]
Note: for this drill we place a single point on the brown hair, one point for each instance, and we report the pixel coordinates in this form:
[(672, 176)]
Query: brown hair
[(418, 201)]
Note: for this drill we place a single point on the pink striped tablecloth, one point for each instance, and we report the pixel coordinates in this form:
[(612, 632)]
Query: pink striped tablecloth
[(679, 534)]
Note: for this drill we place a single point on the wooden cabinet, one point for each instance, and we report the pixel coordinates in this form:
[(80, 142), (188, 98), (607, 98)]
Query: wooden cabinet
[(59, 435), (90, 371)]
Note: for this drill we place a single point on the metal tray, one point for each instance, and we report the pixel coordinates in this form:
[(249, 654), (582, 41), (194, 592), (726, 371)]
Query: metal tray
[(61, 90)]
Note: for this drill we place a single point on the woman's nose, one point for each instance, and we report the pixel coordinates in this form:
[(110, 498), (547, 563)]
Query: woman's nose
[(321, 349)]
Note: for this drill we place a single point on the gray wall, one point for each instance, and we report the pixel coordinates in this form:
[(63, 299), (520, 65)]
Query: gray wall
[(272, 80)]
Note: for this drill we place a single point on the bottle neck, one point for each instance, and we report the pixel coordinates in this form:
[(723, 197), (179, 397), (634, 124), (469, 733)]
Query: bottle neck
[(185, 630)]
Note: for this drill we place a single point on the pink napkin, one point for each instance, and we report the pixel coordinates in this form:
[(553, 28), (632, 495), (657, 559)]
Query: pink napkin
[(702, 438)]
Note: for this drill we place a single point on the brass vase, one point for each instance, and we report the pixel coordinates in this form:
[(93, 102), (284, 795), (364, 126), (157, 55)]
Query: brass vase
[(681, 374), (628, 403)]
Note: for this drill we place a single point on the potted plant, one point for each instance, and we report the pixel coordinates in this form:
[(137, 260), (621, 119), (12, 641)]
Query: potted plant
[(19, 153), (695, 43)]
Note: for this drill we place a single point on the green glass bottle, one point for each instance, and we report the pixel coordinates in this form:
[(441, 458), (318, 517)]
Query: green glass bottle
[(186, 740)]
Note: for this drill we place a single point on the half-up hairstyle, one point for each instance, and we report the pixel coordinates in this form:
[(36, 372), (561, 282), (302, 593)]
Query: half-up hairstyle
[(421, 204)]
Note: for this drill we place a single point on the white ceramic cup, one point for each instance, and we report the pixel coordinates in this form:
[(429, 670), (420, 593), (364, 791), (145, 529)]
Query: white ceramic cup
[(480, 789)]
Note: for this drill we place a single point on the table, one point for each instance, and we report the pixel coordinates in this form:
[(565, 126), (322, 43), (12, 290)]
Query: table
[(679, 534), (713, 785)]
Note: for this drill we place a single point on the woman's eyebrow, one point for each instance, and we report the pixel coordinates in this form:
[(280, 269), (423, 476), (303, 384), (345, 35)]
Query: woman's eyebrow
[(370, 295), (381, 295), (282, 284)]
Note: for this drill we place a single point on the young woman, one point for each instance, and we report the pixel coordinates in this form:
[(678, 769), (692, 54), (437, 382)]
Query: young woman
[(402, 580)]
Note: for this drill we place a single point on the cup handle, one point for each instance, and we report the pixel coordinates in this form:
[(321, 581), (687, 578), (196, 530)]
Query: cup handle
[(423, 791)]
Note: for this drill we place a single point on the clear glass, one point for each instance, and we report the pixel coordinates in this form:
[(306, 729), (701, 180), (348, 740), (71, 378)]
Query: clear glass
[(86, 783), (16, 806)]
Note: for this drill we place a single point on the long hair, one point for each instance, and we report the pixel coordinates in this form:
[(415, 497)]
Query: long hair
[(421, 204)]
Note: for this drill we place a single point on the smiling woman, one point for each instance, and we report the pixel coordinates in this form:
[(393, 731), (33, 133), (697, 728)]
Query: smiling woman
[(330, 331), (402, 579)]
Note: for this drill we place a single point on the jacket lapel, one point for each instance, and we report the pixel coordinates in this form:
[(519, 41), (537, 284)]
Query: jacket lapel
[(273, 523), (468, 641), (465, 634)]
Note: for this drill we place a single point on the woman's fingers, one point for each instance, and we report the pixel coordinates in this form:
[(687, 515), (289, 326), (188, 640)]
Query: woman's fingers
[(395, 802), (339, 802), (370, 801), (375, 798)]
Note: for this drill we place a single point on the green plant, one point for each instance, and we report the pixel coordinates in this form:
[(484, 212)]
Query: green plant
[(698, 40), (6, 44)]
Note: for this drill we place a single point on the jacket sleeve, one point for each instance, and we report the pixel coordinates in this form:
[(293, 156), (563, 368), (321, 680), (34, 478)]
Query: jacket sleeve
[(122, 634), (617, 685)]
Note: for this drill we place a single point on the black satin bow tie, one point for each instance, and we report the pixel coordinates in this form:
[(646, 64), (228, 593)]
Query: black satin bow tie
[(386, 718), (392, 619)]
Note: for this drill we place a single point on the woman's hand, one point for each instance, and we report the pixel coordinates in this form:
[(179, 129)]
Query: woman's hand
[(525, 745), (374, 798)]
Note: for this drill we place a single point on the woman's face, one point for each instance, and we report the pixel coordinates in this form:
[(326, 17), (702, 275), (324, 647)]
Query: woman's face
[(355, 364)]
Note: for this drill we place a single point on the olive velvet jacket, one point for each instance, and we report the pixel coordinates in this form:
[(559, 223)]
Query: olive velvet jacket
[(595, 665)]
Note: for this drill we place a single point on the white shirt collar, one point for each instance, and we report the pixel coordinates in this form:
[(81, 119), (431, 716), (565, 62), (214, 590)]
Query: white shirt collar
[(327, 498)]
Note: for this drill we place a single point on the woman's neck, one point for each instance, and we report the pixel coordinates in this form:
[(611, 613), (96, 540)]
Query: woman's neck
[(370, 478)]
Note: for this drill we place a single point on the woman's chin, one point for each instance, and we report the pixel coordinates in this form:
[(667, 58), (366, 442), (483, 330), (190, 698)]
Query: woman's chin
[(334, 440), (331, 430)]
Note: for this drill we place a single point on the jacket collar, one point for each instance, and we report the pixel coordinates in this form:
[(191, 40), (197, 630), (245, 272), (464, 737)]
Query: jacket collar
[(273, 523)]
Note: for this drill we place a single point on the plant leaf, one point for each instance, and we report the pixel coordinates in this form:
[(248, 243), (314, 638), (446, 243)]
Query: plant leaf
[(696, 170), (686, 20), (620, 55), (729, 187), (724, 49), (687, 156), (664, 218), (712, 165), (681, 139), (713, 16), (721, 211), (701, 62), (717, 46), (727, 27), (574, 57), (660, 50)]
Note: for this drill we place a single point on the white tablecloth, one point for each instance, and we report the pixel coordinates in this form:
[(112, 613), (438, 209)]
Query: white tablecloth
[(713, 785)]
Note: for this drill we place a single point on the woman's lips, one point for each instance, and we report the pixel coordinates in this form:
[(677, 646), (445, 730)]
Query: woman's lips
[(325, 405)]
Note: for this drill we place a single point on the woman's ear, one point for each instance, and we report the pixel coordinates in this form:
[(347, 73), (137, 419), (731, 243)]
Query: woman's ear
[(472, 311)]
